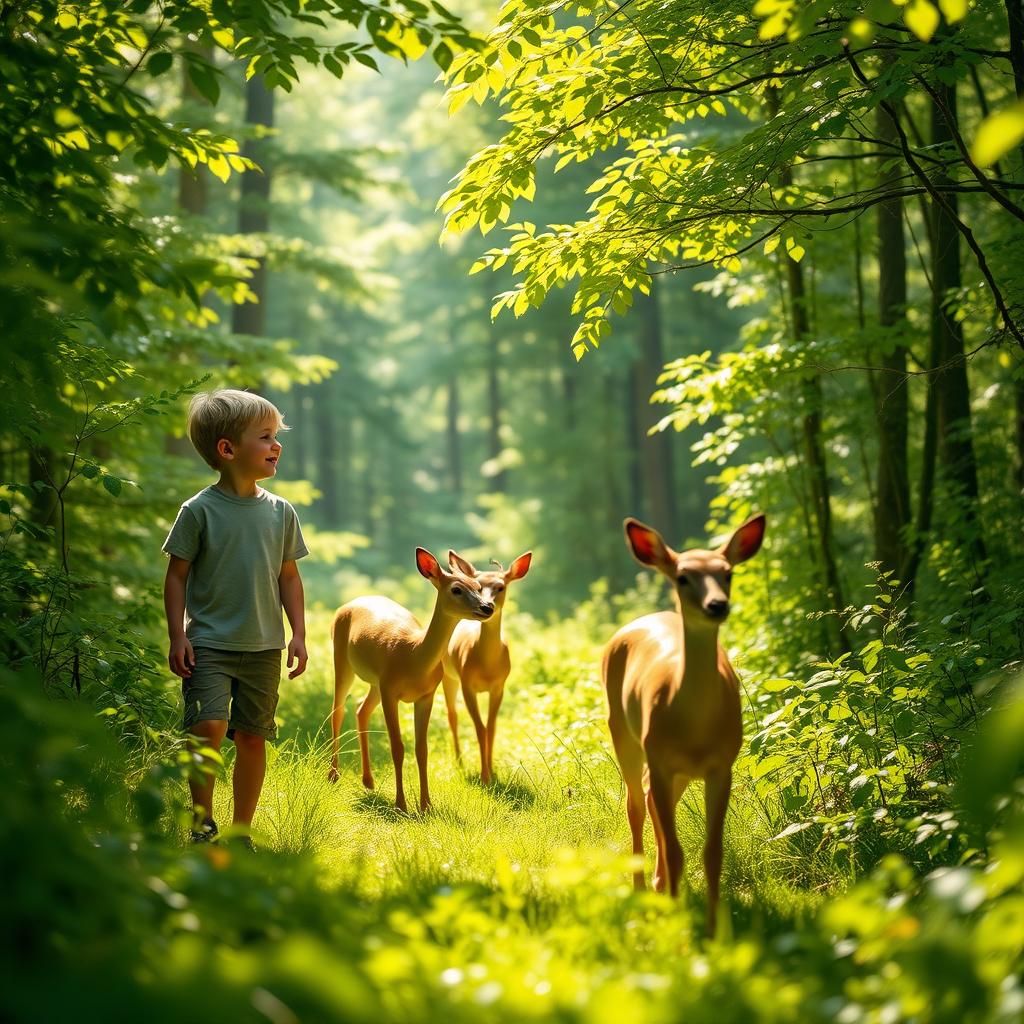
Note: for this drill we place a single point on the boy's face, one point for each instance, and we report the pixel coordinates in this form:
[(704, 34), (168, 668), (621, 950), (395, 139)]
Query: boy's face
[(255, 454)]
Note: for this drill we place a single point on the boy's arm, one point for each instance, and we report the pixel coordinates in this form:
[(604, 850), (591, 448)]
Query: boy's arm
[(180, 657), (293, 601)]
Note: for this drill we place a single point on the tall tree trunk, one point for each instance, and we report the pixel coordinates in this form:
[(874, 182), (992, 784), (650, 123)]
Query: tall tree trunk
[(815, 459), (452, 432), (956, 446), (298, 419), (889, 383), (193, 190), (814, 455), (656, 462), (327, 479), (254, 204), (345, 495), (494, 410), (1015, 23), (567, 378), (193, 183), (634, 439), (371, 470)]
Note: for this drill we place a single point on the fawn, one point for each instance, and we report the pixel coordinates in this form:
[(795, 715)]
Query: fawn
[(674, 702), (478, 657), (383, 643)]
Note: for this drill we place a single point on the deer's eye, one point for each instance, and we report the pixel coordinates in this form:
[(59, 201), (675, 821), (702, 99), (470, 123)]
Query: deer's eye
[(498, 589), (456, 590), (682, 581)]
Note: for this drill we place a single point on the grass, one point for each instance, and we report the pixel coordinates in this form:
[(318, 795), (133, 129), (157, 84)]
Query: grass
[(555, 812), (514, 902)]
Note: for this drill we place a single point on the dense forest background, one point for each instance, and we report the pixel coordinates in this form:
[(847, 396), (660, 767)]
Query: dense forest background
[(512, 275)]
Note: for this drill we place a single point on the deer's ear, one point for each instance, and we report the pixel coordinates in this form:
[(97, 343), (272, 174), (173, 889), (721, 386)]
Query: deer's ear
[(456, 561), (746, 541), (427, 565), (646, 544), (520, 567)]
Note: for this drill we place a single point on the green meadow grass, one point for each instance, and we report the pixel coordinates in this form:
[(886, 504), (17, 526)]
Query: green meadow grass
[(514, 902), (554, 816)]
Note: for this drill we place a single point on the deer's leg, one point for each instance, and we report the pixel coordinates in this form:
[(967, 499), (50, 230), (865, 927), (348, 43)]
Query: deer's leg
[(679, 784), (397, 748), (493, 704), (363, 712), (451, 687), (631, 761), (716, 802), (422, 710), (343, 677), (481, 730), (662, 795)]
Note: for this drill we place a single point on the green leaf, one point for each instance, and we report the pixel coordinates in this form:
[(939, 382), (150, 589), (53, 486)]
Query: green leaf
[(159, 63), (443, 56), (113, 485), (90, 471), (954, 10), (922, 19), (205, 80), (998, 134)]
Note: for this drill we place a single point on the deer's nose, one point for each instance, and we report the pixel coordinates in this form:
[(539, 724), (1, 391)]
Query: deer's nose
[(717, 609), (487, 610)]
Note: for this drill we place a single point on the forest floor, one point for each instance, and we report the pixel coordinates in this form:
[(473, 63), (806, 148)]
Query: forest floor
[(521, 892)]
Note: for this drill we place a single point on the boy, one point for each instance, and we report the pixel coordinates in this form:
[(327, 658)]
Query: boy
[(233, 552)]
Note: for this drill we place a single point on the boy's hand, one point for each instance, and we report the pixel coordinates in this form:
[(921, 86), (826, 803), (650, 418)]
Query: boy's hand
[(181, 658), (297, 653)]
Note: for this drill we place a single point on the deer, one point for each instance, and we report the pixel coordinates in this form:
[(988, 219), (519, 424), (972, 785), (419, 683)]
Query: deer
[(384, 644), (478, 657), (674, 701)]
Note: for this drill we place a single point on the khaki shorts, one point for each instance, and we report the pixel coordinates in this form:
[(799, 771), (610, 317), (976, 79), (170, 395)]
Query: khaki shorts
[(237, 687)]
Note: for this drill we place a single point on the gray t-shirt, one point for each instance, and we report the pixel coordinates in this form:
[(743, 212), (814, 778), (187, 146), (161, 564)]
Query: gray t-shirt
[(236, 547)]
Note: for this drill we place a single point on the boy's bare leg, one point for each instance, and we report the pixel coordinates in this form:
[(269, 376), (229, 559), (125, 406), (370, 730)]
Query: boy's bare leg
[(203, 775), (250, 768)]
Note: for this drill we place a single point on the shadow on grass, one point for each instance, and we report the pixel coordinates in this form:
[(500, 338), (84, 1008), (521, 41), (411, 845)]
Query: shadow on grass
[(372, 802), (508, 791)]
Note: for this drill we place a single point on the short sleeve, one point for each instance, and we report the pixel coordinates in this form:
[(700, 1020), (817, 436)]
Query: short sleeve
[(294, 545), (184, 539)]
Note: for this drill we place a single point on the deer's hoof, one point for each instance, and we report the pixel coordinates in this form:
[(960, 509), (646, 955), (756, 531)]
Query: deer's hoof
[(368, 781), (332, 775)]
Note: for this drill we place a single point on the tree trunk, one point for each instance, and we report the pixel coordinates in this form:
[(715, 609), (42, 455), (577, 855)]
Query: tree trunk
[(657, 468), (344, 474), (889, 383), (1015, 22), (811, 428), (956, 446), (298, 419), (254, 205), (814, 455), (494, 445), (371, 469), (327, 480), (634, 440), (454, 446), (194, 182)]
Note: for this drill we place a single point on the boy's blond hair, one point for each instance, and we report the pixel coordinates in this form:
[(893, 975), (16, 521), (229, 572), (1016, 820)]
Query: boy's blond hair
[(226, 413)]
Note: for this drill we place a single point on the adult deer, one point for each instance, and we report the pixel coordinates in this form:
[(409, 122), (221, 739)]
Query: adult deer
[(478, 657), (383, 643), (673, 700)]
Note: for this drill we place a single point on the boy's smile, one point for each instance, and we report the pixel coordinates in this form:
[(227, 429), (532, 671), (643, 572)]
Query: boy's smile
[(256, 454)]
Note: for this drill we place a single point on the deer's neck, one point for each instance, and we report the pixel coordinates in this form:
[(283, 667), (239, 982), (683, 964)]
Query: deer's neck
[(699, 646), (490, 643), (434, 642)]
